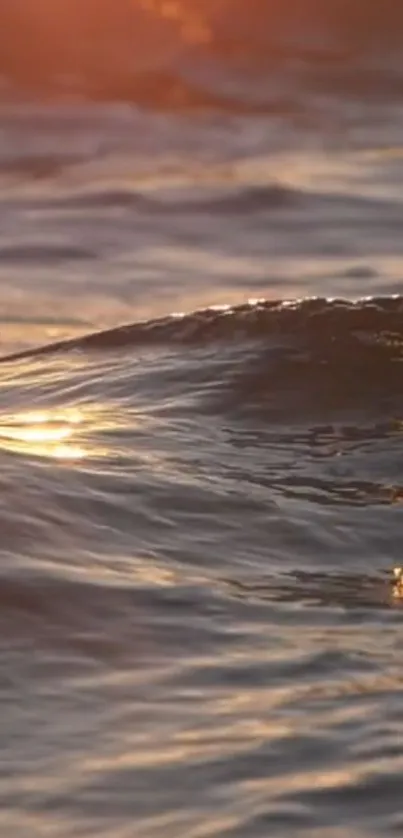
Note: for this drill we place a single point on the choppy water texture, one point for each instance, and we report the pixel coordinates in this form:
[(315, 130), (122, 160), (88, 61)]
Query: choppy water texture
[(199, 630)]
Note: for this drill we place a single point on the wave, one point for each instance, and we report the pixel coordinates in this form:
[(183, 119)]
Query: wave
[(313, 353), (371, 326)]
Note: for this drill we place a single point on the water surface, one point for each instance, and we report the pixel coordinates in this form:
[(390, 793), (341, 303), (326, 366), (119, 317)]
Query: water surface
[(201, 424)]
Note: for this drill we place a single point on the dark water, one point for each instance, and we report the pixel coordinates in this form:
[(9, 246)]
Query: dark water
[(201, 508)]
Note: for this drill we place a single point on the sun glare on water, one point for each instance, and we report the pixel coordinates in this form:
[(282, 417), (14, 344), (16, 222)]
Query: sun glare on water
[(49, 433)]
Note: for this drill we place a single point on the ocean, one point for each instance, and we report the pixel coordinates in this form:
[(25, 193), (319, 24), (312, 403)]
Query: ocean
[(201, 426)]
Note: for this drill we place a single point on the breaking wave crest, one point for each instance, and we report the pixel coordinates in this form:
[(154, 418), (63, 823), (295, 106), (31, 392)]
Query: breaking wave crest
[(370, 326)]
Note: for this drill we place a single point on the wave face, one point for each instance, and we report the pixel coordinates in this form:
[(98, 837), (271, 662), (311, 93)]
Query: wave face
[(274, 362), (318, 349), (198, 54), (221, 401)]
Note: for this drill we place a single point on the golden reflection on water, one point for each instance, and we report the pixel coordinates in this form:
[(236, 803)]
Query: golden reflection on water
[(53, 433)]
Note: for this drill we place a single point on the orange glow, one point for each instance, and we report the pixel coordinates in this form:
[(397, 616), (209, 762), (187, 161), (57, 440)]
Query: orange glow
[(192, 23)]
